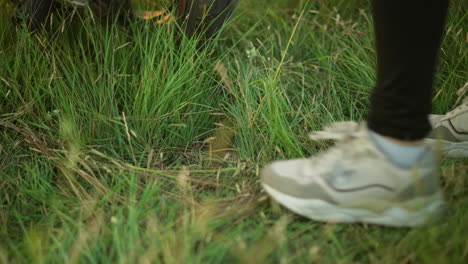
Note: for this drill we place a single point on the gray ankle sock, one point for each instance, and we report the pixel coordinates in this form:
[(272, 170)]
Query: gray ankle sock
[(403, 156)]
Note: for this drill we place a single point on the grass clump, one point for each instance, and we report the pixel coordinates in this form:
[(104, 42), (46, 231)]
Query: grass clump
[(130, 144)]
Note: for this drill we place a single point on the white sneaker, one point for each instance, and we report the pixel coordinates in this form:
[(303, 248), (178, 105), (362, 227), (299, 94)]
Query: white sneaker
[(355, 182), (452, 128)]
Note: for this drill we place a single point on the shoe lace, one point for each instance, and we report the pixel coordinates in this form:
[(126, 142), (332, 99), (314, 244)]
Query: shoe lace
[(463, 97), (461, 94), (349, 144), (337, 131)]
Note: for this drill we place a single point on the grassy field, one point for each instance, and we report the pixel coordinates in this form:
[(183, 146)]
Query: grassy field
[(131, 145)]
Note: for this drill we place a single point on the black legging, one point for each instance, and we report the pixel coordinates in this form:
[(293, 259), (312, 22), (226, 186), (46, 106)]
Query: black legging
[(408, 35)]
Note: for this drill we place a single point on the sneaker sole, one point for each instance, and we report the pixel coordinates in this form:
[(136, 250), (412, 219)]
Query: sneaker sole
[(396, 216), (452, 149)]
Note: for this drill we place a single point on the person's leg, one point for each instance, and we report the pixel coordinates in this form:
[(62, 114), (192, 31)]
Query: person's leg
[(407, 35), (364, 178)]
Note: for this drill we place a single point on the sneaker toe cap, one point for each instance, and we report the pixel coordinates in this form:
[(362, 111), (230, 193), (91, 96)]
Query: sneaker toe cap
[(287, 177)]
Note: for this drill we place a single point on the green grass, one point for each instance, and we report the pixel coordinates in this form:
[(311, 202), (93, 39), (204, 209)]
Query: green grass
[(131, 145)]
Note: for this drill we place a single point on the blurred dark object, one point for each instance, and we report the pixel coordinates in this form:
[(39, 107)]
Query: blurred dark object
[(205, 17), (34, 13), (197, 17)]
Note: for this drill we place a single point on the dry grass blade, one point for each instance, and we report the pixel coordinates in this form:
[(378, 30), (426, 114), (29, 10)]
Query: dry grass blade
[(226, 80), (84, 236), (262, 249), (67, 161), (221, 143)]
